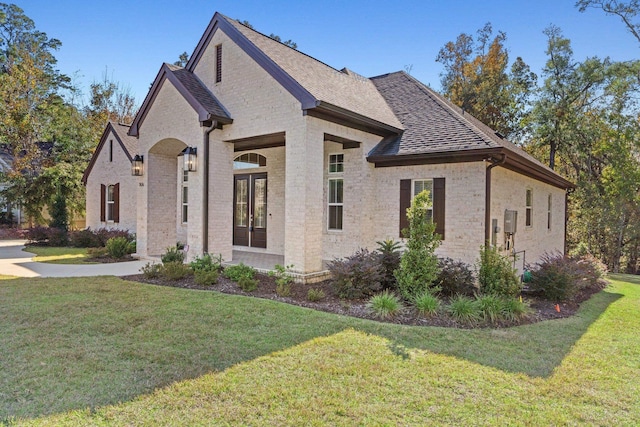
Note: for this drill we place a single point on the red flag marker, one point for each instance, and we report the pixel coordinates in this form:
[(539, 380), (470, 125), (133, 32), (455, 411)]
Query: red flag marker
[(558, 308)]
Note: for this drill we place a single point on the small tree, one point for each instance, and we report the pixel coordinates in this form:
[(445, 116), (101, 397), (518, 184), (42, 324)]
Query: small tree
[(59, 215), (419, 265), (496, 274)]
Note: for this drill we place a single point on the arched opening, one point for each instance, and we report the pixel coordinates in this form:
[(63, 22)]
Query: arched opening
[(162, 194), (249, 161)]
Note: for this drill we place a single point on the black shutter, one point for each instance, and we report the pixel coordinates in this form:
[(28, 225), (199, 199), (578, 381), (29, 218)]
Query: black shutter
[(405, 203), (116, 203), (103, 202), (439, 205)]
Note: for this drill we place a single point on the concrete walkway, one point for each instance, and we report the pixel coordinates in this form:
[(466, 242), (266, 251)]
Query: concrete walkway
[(15, 262)]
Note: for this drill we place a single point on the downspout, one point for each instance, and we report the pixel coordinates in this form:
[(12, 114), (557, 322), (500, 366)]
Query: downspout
[(205, 187), (487, 199)]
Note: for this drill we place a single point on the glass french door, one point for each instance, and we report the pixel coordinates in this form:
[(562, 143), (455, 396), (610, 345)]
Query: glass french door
[(250, 210)]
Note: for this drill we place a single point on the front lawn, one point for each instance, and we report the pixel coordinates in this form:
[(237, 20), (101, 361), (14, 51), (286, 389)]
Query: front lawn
[(79, 344), (59, 255)]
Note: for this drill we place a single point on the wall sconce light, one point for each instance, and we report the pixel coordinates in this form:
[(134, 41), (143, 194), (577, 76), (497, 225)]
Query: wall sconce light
[(190, 159), (136, 165)]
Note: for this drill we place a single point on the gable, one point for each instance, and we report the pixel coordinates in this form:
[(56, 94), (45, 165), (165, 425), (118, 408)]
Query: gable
[(122, 143)]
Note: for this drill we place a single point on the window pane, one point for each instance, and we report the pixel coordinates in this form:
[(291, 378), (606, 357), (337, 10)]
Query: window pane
[(110, 193), (260, 204), (185, 213), (335, 217), (420, 185), (336, 163), (249, 160), (185, 194), (529, 197), (528, 216), (241, 203)]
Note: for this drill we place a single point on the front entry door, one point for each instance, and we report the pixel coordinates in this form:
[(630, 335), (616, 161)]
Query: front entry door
[(250, 210)]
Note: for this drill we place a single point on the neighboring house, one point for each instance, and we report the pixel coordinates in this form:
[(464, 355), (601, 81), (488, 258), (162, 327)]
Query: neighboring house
[(291, 157), (111, 190), (10, 212)]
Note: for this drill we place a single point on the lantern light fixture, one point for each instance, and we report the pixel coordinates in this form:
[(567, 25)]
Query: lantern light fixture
[(190, 159), (137, 165)]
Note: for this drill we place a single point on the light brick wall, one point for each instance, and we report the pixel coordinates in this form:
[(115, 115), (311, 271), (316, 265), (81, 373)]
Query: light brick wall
[(109, 173), (508, 191)]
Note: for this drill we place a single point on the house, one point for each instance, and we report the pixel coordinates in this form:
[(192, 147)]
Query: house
[(110, 186), (255, 147), (10, 213)]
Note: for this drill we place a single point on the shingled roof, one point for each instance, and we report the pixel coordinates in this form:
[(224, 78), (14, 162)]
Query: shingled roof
[(437, 130), (128, 143)]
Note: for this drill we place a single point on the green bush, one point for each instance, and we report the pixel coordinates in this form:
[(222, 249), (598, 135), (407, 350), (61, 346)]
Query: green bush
[(455, 277), (96, 252), (514, 309), (389, 259), (314, 294), (84, 239), (464, 309), (58, 212), (117, 247), (205, 277), (284, 280), (172, 255), (58, 237), (104, 234), (358, 275), (237, 272), (418, 266), (247, 284), (427, 304), (490, 307), (496, 274), (207, 263), (151, 270), (132, 247), (175, 270), (385, 305)]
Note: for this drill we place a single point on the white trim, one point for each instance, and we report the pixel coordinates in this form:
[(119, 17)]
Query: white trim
[(330, 204)]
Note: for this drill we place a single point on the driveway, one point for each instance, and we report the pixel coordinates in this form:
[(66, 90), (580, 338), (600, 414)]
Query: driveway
[(15, 262)]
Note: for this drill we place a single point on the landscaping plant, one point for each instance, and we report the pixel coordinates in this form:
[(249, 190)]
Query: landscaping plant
[(514, 309), (207, 263), (151, 270), (385, 305), (389, 251), (496, 275), (205, 277), (283, 279), (490, 307), (418, 266), (117, 247), (464, 309), (175, 270), (358, 275), (427, 304), (315, 294), (237, 272), (173, 254), (247, 283), (455, 277)]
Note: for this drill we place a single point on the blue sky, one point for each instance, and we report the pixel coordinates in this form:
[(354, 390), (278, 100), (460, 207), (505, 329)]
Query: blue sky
[(131, 39)]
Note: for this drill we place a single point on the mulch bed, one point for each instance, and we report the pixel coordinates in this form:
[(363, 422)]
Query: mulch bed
[(540, 309)]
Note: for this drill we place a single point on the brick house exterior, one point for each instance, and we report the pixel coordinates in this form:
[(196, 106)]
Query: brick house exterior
[(302, 160)]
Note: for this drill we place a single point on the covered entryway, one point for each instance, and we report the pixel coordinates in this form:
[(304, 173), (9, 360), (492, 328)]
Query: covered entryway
[(250, 210)]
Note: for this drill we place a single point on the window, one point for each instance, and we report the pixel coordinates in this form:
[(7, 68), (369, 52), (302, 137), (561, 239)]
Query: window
[(408, 188), (111, 200), (111, 150), (249, 160), (336, 163), (549, 212), (185, 197), (218, 63), (529, 209), (419, 185), (335, 203)]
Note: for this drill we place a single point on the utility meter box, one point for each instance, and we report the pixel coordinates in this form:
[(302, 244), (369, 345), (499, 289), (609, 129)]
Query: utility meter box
[(510, 221)]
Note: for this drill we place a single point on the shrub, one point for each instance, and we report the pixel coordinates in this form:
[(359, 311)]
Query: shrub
[(96, 252), (207, 263), (357, 276), (206, 277), (84, 239), (464, 309), (389, 259), (172, 255), (175, 270), (490, 307), (247, 284), (283, 279), (592, 272), (314, 294), (418, 265), (514, 309), (37, 235), (237, 272), (427, 304), (385, 305), (104, 234), (151, 270), (117, 247), (455, 277), (58, 212), (132, 247), (496, 275)]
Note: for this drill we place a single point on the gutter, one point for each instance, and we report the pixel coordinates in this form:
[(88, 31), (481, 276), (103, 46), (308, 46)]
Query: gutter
[(205, 187), (487, 200)]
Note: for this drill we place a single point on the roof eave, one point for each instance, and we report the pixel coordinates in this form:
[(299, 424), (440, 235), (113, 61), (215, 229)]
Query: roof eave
[(335, 114), (108, 129)]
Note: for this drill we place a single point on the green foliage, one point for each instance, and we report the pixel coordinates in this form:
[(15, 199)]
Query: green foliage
[(173, 254), (284, 280), (58, 211), (205, 277), (132, 247), (496, 274), (151, 270), (84, 239), (514, 309), (427, 304), (207, 263), (237, 272), (490, 307), (117, 247), (175, 270), (385, 305), (358, 275), (389, 251), (97, 252), (315, 294), (464, 309), (248, 284), (418, 266), (455, 277)]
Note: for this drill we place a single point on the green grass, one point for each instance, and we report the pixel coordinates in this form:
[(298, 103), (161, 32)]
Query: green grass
[(59, 255), (72, 346)]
